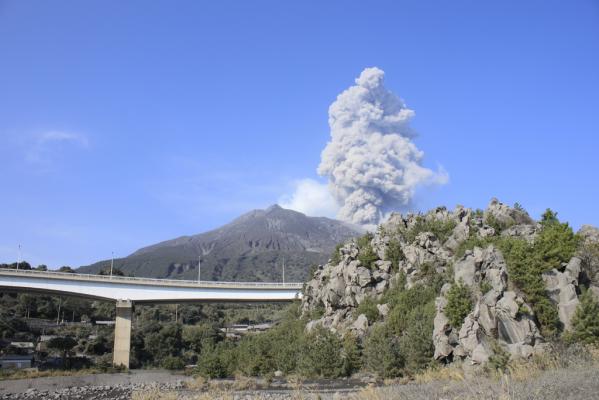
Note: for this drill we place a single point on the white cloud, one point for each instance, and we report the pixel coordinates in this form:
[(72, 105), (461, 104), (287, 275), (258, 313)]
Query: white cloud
[(58, 136), (311, 198), (48, 143)]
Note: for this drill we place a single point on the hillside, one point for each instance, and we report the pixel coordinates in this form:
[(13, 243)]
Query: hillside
[(253, 247), (471, 285)]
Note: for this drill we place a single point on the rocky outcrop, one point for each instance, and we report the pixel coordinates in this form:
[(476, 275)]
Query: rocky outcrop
[(496, 316), (412, 247)]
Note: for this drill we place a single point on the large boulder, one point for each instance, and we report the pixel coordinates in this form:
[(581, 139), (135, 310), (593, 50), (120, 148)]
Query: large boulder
[(561, 287)]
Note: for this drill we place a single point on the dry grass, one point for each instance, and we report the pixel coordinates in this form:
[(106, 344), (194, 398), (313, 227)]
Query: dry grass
[(153, 394), (452, 372), (32, 374), (563, 373), (199, 383)]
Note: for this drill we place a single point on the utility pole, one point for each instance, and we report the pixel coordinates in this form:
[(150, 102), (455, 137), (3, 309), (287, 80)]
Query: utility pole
[(111, 264), (19, 257), (199, 268), (283, 271)]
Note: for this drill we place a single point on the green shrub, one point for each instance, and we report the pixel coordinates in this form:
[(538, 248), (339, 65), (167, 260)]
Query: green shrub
[(336, 256), (459, 304), (409, 305), (211, 364), (382, 353), (322, 354), (585, 323), (351, 355), (555, 244), (441, 229), (526, 262), (394, 253), (415, 344), (472, 242), (499, 359), (173, 363), (497, 224), (366, 254), (369, 309), (485, 287)]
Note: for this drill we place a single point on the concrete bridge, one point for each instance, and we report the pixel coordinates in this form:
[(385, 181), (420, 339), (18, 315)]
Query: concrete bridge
[(126, 291)]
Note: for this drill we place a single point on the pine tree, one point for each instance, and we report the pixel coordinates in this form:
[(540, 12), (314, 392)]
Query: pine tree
[(585, 323)]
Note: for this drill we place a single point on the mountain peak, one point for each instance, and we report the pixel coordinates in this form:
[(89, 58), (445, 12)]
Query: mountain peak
[(251, 247), (274, 207)]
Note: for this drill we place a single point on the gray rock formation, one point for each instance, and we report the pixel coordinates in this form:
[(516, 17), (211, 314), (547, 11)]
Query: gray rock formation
[(432, 243)]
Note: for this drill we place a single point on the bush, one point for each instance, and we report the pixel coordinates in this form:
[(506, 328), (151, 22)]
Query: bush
[(526, 273), (336, 256), (497, 224), (366, 254), (322, 354), (382, 353), (416, 345), (210, 364), (459, 304), (499, 360), (441, 229), (585, 323), (472, 242), (555, 244), (410, 324), (173, 363), (394, 253), (369, 309), (351, 355)]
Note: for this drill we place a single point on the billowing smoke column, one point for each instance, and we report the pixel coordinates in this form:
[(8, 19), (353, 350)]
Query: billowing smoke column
[(372, 165)]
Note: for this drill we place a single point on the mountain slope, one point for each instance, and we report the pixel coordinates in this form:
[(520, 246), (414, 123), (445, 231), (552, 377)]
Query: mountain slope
[(253, 247)]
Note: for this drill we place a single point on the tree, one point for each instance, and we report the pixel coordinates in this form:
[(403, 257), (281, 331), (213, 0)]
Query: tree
[(585, 323), (115, 271), (382, 353), (322, 355), (62, 344), (66, 269), (459, 304)]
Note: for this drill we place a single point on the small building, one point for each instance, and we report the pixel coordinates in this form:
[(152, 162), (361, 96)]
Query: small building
[(14, 361), (22, 345), (106, 323)]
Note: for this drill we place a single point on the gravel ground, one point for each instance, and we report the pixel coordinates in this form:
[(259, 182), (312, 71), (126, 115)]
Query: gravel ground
[(581, 383)]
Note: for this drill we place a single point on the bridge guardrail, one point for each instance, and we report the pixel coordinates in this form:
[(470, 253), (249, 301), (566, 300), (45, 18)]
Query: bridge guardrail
[(151, 281)]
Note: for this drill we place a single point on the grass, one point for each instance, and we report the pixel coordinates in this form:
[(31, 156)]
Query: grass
[(32, 374)]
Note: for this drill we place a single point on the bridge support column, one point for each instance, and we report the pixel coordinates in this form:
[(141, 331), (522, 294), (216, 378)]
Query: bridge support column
[(122, 333)]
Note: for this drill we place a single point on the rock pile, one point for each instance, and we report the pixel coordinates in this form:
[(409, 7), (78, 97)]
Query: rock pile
[(458, 245)]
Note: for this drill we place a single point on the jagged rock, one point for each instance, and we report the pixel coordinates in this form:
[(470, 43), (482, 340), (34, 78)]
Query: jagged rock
[(383, 310), (364, 277), (360, 326), (384, 266), (589, 233), (486, 231), (507, 215), (460, 233), (526, 232), (561, 287)]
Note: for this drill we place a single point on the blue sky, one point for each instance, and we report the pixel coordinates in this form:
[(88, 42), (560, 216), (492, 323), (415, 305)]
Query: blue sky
[(126, 123)]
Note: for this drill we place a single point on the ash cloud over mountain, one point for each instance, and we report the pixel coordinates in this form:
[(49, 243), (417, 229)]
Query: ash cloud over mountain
[(371, 163)]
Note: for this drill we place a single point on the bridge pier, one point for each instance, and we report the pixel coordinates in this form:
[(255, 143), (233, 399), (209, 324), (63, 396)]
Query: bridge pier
[(122, 333)]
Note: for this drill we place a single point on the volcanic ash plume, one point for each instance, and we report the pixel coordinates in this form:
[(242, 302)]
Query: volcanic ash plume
[(372, 165)]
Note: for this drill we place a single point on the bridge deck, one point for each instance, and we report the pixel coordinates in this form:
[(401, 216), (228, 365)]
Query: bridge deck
[(146, 289)]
